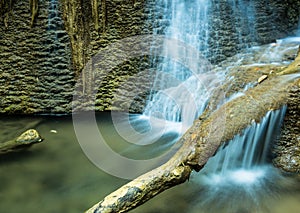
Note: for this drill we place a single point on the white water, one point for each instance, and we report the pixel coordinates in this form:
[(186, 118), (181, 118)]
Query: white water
[(172, 107), (246, 153), (240, 176), (182, 86), (240, 173), (185, 101), (241, 169)]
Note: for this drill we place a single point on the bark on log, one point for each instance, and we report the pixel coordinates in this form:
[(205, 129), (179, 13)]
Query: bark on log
[(25, 140), (202, 140)]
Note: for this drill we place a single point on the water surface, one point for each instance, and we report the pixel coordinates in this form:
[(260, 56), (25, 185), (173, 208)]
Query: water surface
[(55, 176)]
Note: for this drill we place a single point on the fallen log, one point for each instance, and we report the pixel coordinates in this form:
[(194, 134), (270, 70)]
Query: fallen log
[(202, 140), (25, 140)]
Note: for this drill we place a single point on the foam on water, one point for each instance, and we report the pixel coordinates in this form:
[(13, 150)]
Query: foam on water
[(242, 169), (247, 151), (243, 176)]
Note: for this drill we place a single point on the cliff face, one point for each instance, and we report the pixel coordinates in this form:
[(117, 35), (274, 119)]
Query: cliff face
[(45, 44), (36, 75)]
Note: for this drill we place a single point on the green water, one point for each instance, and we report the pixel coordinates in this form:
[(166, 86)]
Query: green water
[(55, 176)]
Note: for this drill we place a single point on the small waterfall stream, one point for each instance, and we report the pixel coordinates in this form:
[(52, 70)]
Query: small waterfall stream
[(240, 177), (181, 88), (245, 19), (242, 160), (188, 23)]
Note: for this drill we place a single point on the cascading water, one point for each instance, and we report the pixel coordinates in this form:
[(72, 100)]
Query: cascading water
[(54, 20), (174, 106), (241, 169), (182, 103), (183, 85), (240, 177), (248, 151), (53, 14)]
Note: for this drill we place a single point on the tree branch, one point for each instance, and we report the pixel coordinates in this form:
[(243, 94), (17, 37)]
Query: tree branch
[(202, 140)]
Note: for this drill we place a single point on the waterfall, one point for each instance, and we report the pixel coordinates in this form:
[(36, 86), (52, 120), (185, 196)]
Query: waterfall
[(181, 93), (246, 152), (53, 15), (240, 177), (185, 98), (55, 26)]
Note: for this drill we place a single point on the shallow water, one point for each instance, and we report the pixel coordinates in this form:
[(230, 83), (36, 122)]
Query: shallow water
[(272, 196), (55, 176)]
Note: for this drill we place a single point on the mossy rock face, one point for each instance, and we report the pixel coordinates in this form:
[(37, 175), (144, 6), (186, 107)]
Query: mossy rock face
[(36, 74), (42, 54), (287, 150)]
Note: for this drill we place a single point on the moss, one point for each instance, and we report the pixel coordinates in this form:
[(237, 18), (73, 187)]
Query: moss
[(7, 6), (5, 11), (34, 7), (95, 13), (104, 15)]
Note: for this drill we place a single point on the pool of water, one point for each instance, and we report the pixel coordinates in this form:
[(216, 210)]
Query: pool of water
[(56, 176), (272, 194)]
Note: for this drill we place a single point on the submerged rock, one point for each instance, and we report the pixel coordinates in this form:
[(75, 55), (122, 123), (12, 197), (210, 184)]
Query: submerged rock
[(25, 140)]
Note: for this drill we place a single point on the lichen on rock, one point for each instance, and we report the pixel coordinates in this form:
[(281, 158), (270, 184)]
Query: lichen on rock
[(34, 7)]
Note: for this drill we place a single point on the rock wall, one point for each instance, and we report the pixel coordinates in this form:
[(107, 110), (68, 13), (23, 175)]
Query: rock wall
[(287, 150), (36, 75), (43, 54), (236, 25), (113, 21)]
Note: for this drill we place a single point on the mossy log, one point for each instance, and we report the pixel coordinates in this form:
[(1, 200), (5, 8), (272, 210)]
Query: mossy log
[(25, 140), (202, 140)]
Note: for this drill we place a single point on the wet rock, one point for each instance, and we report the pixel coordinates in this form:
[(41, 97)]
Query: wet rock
[(262, 78), (287, 149)]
